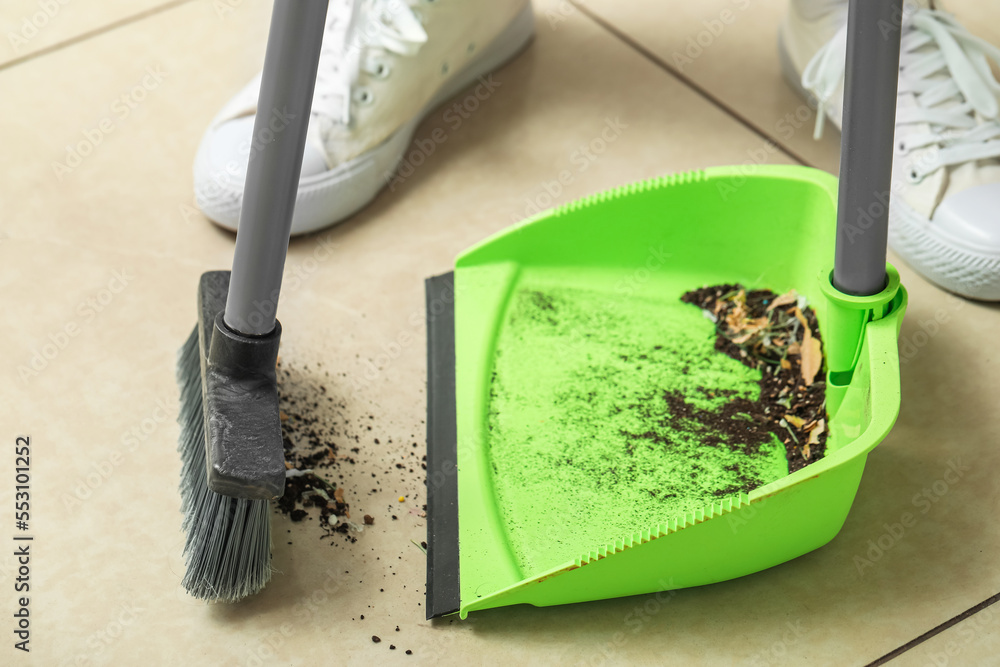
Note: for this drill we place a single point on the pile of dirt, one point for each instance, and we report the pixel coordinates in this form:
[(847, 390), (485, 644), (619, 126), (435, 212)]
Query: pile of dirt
[(311, 453), (779, 336)]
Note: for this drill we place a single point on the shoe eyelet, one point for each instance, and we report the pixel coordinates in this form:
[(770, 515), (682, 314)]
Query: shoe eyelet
[(382, 71), (914, 177), (901, 148), (364, 97)]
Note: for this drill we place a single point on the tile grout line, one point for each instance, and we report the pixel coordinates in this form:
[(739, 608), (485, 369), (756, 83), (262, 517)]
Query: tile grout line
[(690, 83), (916, 641), (92, 33)]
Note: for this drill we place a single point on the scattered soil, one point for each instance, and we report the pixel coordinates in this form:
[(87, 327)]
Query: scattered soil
[(335, 456), (779, 336), (310, 449)]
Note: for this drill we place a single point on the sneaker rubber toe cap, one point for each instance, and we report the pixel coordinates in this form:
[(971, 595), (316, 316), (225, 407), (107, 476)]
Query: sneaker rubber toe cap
[(971, 217)]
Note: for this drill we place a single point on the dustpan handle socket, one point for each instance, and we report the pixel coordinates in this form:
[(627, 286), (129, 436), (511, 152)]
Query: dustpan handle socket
[(847, 315), (279, 136), (871, 76)]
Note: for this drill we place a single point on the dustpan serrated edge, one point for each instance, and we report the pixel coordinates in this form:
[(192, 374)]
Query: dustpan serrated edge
[(671, 525), (655, 183)]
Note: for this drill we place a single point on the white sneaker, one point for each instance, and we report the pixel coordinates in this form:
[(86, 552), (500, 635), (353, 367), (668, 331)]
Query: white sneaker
[(943, 217), (385, 65)]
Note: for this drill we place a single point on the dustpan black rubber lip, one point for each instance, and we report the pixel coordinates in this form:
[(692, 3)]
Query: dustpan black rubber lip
[(443, 593)]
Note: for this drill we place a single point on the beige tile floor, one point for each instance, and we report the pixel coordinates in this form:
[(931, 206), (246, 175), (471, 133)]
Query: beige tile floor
[(106, 568), (32, 27)]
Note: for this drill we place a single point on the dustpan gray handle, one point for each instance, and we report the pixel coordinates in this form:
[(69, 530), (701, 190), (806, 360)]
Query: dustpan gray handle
[(866, 148), (279, 135)]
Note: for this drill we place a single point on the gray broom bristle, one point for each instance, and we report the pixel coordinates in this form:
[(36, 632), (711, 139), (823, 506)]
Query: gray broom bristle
[(228, 548)]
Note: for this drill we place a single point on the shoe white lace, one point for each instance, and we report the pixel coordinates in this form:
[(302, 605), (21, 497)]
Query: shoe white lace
[(946, 171), (385, 64)]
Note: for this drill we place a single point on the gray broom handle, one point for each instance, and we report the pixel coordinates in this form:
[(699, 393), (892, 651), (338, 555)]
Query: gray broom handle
[(866, 146), (279, 135)]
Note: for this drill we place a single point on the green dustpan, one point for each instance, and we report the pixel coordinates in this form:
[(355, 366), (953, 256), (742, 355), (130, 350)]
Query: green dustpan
[(548, 343)]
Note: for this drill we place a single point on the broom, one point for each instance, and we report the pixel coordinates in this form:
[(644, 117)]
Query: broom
[(230, 441)]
